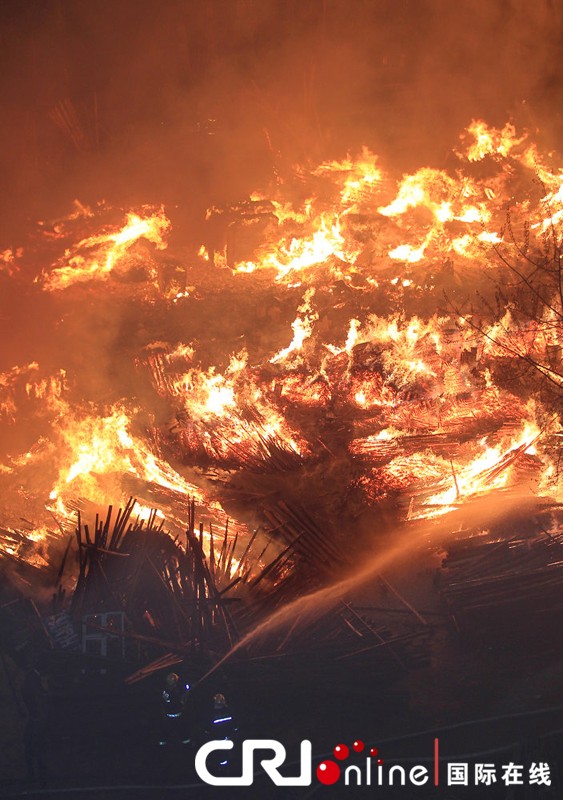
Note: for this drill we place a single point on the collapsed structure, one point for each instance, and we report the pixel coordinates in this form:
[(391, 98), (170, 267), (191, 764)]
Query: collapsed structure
[(353, 356)]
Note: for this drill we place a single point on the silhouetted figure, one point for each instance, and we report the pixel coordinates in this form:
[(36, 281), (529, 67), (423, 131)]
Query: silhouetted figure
[(221, 725), (173, 723), (222, 722)]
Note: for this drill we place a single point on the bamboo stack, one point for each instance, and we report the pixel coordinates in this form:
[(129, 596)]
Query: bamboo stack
[(167, 591), (500, 586)]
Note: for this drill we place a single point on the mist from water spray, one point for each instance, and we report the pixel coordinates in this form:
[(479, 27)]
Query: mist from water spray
[(483, 511)]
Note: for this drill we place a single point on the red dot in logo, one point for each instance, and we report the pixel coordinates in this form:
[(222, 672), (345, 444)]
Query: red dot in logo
[(341, 752), (373, 751), (380, 761), (328, 772), (358, 746)]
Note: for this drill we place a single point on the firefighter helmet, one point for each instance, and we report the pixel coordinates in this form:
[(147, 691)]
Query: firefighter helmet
[(172, 679)]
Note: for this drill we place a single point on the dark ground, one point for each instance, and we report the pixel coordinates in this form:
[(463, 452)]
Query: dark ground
[(498, 700)]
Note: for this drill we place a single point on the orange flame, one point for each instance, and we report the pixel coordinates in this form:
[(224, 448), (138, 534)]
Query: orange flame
[(95, 257)]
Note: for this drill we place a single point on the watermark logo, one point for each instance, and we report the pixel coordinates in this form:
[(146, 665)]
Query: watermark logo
[(369, 769), (372, 770), (269, 764)]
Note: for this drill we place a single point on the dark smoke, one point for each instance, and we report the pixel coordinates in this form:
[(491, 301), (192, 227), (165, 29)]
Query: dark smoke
[(196, 101)]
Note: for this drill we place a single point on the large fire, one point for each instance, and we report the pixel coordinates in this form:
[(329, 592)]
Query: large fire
[(387, 349)]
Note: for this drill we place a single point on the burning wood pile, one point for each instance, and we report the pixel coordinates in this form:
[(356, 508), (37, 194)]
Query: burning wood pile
[(354, 353), (168, 594), (198, 603), (193, 594)]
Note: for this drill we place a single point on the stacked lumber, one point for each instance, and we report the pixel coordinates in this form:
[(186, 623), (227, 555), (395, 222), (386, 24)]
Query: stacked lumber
[(166, 590), (499, 585)]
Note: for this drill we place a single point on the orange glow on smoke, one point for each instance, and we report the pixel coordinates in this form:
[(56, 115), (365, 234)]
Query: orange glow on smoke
[(354, 367)]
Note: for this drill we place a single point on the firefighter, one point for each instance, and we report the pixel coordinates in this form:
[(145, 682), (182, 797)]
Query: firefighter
[(173, 722), (221, 725), (222, 722)]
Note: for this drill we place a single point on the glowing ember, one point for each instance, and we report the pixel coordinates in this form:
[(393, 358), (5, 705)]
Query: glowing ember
[(95, 257)]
